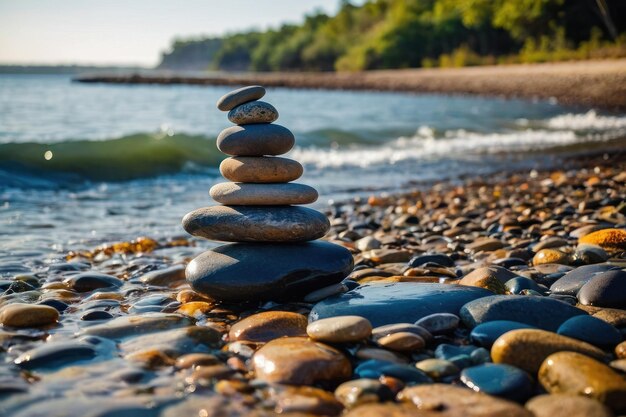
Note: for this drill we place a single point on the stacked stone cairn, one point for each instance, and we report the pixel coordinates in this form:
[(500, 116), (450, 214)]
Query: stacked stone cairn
[(275, 256)]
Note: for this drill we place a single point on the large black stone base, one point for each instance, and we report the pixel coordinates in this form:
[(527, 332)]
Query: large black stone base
[(261, 272)]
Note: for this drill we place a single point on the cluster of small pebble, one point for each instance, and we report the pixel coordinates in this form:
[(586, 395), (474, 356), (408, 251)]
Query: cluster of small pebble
[(503, 296)]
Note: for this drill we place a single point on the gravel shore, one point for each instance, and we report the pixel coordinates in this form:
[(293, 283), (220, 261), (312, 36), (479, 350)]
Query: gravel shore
[(511, 285), (588, 83)]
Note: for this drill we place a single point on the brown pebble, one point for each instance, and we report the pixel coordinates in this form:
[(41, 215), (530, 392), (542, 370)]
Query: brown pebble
[(340, 329), (402, 342), (567, 405), (266, 326), (28, 315), (573, 373), (528, 348), (195, 359), (299, 361)]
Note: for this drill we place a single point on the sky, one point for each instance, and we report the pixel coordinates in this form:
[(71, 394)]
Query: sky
[(129, 32)]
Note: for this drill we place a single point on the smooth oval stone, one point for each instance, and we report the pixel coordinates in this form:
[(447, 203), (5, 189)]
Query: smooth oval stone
[(439, 323), (309, 401), (28, 315), (591, 330), (261, 169), (56, 354), (242, 95), (542, 312), (256, 224), (519, 284), (528, 348), (133, 325), (574, 280), (437, 258), (176, 341), (300, 361), (341, 329), (402, 342), (453, 401), (255, 140), (607, 289), (234, 194), (191, 360), (573, 373), (362, 391), (164, 277), (253, 112), (269, 325), (611, 240), (325, 292), (406, 373), (95, 315), (567, 405), (503, 381), (243, 271), (401, 301), (551, 256), (388, 329), (437, 368), (485, 334), (89, 281)]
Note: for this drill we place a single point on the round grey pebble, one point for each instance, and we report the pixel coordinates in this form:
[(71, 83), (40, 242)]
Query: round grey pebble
[(242, 95), (253, 112)]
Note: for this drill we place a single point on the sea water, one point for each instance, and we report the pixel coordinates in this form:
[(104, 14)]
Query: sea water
[(84, 164)]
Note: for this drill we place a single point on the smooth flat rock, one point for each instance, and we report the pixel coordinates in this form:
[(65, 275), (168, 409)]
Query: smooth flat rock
[(253, 112), (28, 315), (300, 361), (236, 193), (242, 95), (542, 312), (255, 140), (176, 341), (268, 325), (528, 348), (134, 325), (256, 224), (607, 289), (89, 281), (573, 281), (260, 169), (502, 381), (591, 330), (341, 329), (450, 401), (573, 373), (241, 272), (55, 354), (397, 302), (567, 405), (486, 334)]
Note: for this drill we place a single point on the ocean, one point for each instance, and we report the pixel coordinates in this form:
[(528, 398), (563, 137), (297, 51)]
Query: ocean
[(85, 164)]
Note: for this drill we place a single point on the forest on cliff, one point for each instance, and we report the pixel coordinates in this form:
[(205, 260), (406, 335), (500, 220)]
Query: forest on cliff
[(383, 34)]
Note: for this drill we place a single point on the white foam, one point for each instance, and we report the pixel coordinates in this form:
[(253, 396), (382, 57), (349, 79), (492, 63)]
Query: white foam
[(454, 144), (586, 121)]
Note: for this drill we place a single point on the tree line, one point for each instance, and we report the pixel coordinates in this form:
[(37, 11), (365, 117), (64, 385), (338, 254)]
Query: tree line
[(382, 34)]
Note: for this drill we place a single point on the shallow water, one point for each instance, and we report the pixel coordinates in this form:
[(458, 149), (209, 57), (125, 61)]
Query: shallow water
[(64, 146)]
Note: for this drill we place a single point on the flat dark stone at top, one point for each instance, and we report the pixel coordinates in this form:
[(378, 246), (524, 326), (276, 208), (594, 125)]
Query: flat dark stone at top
[(242, 95), (399, 302), (542, 312), (574, 280), (271, 271)]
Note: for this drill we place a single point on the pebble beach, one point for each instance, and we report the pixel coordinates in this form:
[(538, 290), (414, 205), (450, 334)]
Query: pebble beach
[(499, 295)]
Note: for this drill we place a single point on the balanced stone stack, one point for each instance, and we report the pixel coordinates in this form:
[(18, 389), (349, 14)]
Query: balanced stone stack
[(275, 257)]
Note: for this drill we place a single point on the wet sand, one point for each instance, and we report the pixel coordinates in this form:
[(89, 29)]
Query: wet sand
[(587, 83)]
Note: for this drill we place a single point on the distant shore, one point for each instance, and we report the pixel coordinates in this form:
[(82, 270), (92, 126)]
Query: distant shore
[(587, 83)]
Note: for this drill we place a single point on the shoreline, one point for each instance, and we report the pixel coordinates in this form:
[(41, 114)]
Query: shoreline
[(586, 83)]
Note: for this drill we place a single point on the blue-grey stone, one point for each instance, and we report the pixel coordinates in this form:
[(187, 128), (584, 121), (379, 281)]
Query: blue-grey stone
[(607, 289), (435, 258), (57, 354), (399, 302), (255, 140), (255, 272), (591, 330), (486, 334), (503, 381), (89, 281), (573, 281), (516, 285), (542, 312)]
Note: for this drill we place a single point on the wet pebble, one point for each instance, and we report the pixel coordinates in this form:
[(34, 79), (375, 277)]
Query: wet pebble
[(439, 323), (340, 329), (485, 334), (362, 391), (605, 290), (402, 342), (567, 405), (28, 315), (591, 330), (503, 381), (269, 325), (90, 281)]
